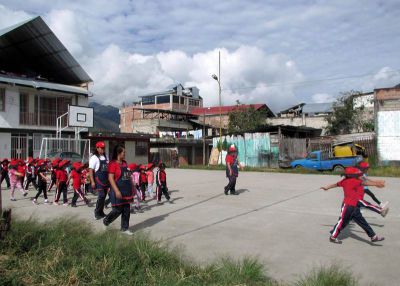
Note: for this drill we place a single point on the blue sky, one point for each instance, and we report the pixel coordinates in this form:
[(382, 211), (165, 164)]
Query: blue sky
[(272, 51)]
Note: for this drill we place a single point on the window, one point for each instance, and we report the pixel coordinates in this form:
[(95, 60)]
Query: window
[(163, 99), (148, 100), (2, 99), (182, 100), (175, 99), (193, 102), (141, 148)]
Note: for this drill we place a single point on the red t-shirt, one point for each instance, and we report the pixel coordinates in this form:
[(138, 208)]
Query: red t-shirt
[(115, 168), (21, 169), (352, 189), (143, 178), (61, 175), (229, 159), (76, 179)]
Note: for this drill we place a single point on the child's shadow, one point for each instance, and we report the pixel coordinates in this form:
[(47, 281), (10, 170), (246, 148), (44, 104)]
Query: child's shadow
[(242, 191), (149, 207), (148, 223), (348, 232)]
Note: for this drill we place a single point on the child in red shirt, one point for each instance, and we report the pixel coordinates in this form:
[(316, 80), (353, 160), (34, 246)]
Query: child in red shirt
[(61, 182), (143, 182), (352, 188), (76, 178), (161, 182)]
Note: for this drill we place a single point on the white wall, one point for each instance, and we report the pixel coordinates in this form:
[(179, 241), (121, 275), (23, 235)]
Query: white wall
[(5, 145), (388, 135), (10, 117)]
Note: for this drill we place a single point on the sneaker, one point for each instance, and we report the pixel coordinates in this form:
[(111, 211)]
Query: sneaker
[(74, 206), (234, 193), (159, 203), (127, 232), (13, 199), (46, 202), (377, 238), (384, 204), (56, 203), (226, 191), (100, 216), (384, 212), (65, 204), (334, 240), (34, 201), (25, 194)]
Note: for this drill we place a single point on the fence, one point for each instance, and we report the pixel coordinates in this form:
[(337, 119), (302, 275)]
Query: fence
[(72, 149)]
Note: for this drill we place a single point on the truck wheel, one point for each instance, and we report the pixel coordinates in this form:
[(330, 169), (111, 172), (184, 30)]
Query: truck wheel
[(298, 167), (338, 169)]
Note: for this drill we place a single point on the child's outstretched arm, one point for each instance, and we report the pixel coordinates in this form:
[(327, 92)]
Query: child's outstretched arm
[(329, 187), (374, 183)]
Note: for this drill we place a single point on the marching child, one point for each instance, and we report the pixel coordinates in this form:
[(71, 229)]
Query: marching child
[(4, 172), (15, 179), (31, 174), (76, 178), (143, 182), (161, 181), (85, 178), (135, 184), (53, 176), (41, 182), (21, 168), (150, 180), (352, 188), (61, 183)]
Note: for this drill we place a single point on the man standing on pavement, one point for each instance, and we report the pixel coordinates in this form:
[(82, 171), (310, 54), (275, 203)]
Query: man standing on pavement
[(98, 173), (232, 170)]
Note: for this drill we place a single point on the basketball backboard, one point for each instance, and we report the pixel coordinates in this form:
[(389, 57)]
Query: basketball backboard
[(80, 116)]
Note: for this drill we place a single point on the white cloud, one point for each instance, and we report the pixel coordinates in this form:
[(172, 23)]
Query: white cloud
[(323, 97), (10, 17)]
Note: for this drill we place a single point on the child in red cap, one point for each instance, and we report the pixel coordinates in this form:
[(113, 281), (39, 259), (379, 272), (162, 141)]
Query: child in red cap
[(15, 179), (150, 180), (41, 181), (76, 178), (62, 178), (352, 188)]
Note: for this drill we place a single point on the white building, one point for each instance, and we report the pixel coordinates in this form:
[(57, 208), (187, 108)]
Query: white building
[(39, 78)]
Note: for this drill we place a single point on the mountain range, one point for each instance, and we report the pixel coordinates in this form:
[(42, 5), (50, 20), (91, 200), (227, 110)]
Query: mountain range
[(106, 117)]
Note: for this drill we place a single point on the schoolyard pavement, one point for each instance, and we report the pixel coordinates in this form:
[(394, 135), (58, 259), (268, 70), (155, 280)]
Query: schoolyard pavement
[(282, 219)]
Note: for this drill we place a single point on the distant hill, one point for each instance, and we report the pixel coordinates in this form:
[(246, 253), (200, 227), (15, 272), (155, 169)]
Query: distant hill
[(106, 117)]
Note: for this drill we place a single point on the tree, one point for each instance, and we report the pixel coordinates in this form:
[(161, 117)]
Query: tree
[(346, 118), (243, 119)]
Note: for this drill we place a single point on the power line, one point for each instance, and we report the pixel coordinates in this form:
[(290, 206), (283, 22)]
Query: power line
[(308, 81)]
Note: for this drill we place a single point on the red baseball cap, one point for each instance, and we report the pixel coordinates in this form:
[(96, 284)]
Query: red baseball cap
[(100, 144)]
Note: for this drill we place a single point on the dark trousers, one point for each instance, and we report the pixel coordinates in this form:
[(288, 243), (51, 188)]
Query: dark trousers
[(371, 194), (143, 188), (101, 198), (162, 189), (4, 176), (62, 188), (368, 205), (30, 180), (231, 184), (78, 194), (41, 188), (349, 213), (52, 183), (124, 211)]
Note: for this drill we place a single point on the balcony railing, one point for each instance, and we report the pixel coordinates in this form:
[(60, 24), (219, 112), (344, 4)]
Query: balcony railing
[(46, 119)]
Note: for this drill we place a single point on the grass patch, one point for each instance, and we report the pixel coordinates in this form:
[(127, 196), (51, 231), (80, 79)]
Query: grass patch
[(328, 276), (68, 252), (377, 171)]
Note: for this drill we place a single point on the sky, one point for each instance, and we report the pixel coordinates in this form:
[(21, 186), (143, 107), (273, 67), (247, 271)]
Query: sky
[(279, 53)]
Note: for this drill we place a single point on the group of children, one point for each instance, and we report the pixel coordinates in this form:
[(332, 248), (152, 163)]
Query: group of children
[(355, 186), (43, 174)]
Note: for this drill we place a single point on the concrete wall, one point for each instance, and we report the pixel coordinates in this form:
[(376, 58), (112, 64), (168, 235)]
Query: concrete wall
[(5, 145), (314, 122), (388, 135), (10, 117)]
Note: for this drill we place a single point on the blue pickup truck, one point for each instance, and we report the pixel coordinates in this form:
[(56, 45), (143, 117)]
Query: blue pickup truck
[(320, 161)]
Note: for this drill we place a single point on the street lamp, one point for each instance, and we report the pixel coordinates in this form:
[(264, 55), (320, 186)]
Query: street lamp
[(218, 79)]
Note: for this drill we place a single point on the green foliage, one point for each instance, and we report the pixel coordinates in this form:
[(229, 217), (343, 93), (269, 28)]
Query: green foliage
[(68, 252), (243, 120), (331, 276), (346, 118)]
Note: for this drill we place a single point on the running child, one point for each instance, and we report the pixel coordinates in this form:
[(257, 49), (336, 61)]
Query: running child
[(352, 188), (41, 182), (53, 176), (135, 184), (4, 172), (31, 174), (15, 179)]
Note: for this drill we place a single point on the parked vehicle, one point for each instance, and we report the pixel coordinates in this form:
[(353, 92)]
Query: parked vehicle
[(71, 156), (321, 161), (347, 149)]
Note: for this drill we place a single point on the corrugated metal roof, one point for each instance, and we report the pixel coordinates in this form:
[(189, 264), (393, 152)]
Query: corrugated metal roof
[(214, 110), (30, 48), (318, 107), (45, 85)]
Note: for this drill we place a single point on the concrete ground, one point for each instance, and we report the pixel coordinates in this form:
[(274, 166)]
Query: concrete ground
[(283, 219)]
